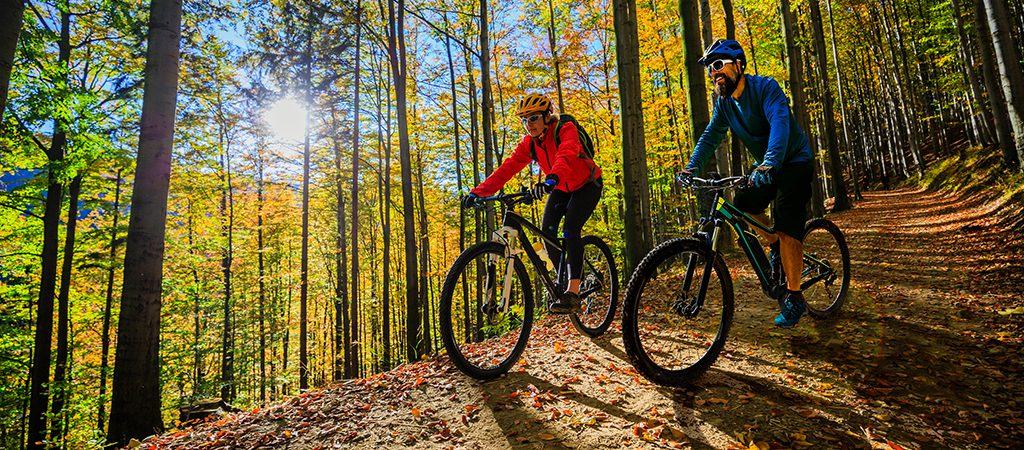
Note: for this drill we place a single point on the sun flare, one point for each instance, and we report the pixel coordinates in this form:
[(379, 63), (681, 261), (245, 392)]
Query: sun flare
[(287, 120)]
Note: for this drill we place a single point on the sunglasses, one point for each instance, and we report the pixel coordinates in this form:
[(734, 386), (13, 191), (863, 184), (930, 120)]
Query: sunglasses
[(531, 119), (718, 64)]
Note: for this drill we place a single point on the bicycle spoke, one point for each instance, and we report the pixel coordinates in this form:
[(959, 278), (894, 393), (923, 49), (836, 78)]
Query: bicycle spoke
[(485, 311)]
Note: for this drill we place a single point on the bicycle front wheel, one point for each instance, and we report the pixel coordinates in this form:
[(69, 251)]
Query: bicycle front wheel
[(599, 288), (825, 279), (486, 311), (671, 332)]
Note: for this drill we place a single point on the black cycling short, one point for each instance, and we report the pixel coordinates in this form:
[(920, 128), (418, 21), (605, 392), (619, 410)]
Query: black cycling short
[(791, 191)]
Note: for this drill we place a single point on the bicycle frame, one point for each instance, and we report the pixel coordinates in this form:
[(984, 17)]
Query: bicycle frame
[(723, 212), (511, 234)]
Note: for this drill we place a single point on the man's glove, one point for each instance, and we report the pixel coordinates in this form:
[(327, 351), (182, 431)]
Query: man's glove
[(762, 175), (544, 188), (469, 200), (684, 177)]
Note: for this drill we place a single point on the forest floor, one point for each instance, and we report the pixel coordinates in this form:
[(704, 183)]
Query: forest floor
[(927, 353)]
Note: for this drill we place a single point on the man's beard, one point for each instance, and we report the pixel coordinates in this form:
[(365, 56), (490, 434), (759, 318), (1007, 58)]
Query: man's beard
[(726, 89)]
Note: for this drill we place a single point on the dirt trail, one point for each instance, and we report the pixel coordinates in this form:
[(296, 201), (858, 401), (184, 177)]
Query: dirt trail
[(926, 354)]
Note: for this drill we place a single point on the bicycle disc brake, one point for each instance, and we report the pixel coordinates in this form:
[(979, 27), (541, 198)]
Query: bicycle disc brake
[(686, 307)]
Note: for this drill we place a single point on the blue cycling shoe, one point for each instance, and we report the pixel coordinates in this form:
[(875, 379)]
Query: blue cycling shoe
[(793, 308)]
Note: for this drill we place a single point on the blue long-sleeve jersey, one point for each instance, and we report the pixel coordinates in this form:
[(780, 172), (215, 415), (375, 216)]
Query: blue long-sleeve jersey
[(762, 120)]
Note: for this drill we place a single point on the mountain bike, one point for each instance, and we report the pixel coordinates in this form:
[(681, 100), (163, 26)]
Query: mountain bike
[(678, 305), (487, 307)]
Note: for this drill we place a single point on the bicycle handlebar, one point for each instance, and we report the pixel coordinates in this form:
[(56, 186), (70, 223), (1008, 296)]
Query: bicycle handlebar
[(736, 182), (524, 196)]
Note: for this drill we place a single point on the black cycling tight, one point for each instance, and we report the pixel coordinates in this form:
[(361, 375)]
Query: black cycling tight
[(576, 207)]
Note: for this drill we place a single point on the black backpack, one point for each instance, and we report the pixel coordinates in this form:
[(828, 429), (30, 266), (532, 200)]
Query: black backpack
[(585, 141)]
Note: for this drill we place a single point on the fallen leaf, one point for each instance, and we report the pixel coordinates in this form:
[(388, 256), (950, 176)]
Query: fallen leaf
[(546, 436)]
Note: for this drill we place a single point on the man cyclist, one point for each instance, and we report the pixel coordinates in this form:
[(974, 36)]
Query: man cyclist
[(573, 180), (756, 110)]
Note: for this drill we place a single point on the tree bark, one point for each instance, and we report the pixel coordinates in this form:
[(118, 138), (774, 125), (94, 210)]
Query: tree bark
[(486, 102), (101, 414), (228, 388), (841, 199), (552, 40), (304, 261), (48, 274), (396, 53), (425, 343), (61, 380), (847, 141), (355, 189), (982, 121), (1000, 113), (261, 276), (135, 407), (343, 331), (634, 157), (1011, 79), (384, 190), (13, 12), (735, 145)]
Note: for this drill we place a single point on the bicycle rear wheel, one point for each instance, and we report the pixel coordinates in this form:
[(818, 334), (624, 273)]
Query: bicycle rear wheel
[(825, 279), (599, 288), (483, 335), (669, 334)]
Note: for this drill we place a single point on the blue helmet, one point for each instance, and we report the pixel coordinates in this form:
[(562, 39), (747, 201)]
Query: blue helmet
[(723, 49)]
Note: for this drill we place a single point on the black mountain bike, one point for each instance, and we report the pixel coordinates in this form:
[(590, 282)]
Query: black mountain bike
[(679, 301), (486, 308)]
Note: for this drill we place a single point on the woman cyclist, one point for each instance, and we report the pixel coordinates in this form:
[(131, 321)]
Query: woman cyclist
[(572, 178)]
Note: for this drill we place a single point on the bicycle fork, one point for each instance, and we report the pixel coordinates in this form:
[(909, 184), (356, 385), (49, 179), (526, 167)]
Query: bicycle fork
[(692, 307), (491, 308)]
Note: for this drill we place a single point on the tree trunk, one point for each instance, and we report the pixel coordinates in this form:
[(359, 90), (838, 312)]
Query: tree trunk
[(13, 12), (135, 407), (486, 102), (355, 190), (735, 145), (61, 381), (634, 157), (458, 171), (425, 343), (847, 141), (552, 40), (1011, 78), (396, 53), (105, 337), (696, 90), (384, 190), (48, 274), (982, 121), (228, 388), (197, 353), (304, 262), (730, 23), (261, 275), (343, 331), (841, 199), (997, 103)]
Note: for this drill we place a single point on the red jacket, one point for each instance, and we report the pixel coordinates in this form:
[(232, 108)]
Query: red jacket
[(569, 162)]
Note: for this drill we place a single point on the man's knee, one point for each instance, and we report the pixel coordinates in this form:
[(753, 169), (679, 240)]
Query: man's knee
[(786, 238)]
